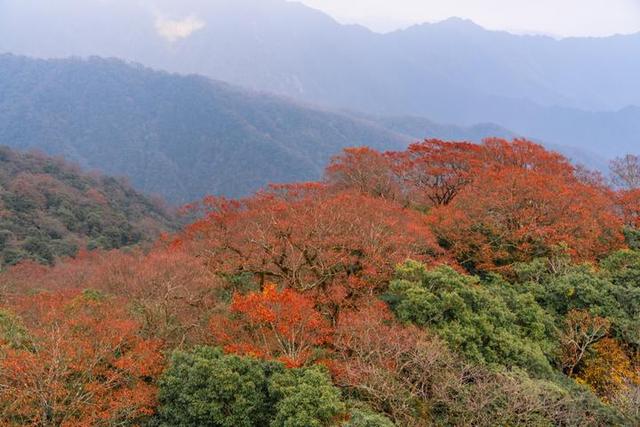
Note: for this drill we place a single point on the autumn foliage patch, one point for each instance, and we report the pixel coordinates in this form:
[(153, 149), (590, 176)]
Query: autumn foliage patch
[(448, 284)]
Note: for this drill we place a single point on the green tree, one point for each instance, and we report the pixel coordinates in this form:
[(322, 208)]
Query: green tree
[(489, 322), (204, 387), (12, 331), (364, 417), (305, 398), (611, 292)]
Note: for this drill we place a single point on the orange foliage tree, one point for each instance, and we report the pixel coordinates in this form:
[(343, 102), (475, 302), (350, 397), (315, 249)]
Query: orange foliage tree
[(337, 246), (83, 363), (629, 202), (365, 170), (609, 371), (513, 214), (498, 153), (433, 172), (495, 203), (171, 291), (273, 324)]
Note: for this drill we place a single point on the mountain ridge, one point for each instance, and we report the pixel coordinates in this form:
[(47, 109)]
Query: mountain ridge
[(185, 137), (559, 91)]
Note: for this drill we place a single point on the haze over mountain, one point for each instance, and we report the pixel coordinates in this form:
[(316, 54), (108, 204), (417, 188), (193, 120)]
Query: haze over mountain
[(184, 136), (573, 92)]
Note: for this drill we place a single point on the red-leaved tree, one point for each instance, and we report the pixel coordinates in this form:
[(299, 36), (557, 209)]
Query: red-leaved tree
[(337, 247), (272, 324), (82, 362)]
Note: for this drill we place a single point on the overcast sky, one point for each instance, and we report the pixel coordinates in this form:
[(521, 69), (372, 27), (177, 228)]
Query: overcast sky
[(556, 17)]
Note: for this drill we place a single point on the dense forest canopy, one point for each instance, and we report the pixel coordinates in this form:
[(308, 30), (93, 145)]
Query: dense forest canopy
[(51, 209), (446, 284)]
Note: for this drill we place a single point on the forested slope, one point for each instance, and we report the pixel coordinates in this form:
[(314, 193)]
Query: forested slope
[(51, 209), (182, 136), (446, 284)]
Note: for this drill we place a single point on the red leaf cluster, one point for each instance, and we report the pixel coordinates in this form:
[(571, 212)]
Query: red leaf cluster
[(83, 364)]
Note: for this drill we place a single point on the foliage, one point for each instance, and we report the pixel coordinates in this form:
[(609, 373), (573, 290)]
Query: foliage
[(581, 332), (488, 322), (336, 246), (85, 364), (608, 370), (275, 324), (515, 215), (13, 333), (305, 398), (365, 417), (494, 204), (204, 387), (414, 378), (610, 293), (49, 209)]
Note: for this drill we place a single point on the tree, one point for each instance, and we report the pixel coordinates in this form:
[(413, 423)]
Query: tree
[(364, 417), (85, 365), (498, 153), (205, 387), (581, 332), (391, 367), (625, 172), (629, 203), (433, 172), (337, 247), (273, 324), (305, 398), (487, 322), (411, 376), (362, 169), (608, 370), (610, 291), (515, 215), (171, 292)]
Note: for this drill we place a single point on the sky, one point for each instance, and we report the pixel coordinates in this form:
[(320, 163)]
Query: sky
[(562, 18)]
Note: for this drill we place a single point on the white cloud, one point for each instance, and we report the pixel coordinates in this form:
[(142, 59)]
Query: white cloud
[(173, 30)]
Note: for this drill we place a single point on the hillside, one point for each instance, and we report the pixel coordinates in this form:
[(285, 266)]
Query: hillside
[(50, 209), (452, 72), (182, 136), (447, 284)]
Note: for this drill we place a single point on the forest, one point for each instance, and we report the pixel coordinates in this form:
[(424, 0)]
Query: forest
[(49, 209), (448, 284)]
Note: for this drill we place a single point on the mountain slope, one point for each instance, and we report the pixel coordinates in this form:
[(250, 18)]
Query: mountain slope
[(452, 72), (184, 136), (49, 208)]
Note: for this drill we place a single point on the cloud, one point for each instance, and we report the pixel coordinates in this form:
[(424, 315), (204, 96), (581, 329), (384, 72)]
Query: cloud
[(173, 30)]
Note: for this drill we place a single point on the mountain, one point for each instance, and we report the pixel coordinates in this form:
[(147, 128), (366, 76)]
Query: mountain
[(50, 208), (574, 92), (184, 137)]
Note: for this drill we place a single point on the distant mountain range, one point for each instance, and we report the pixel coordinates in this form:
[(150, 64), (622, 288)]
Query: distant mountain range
[(183, 137), (581, 92)]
